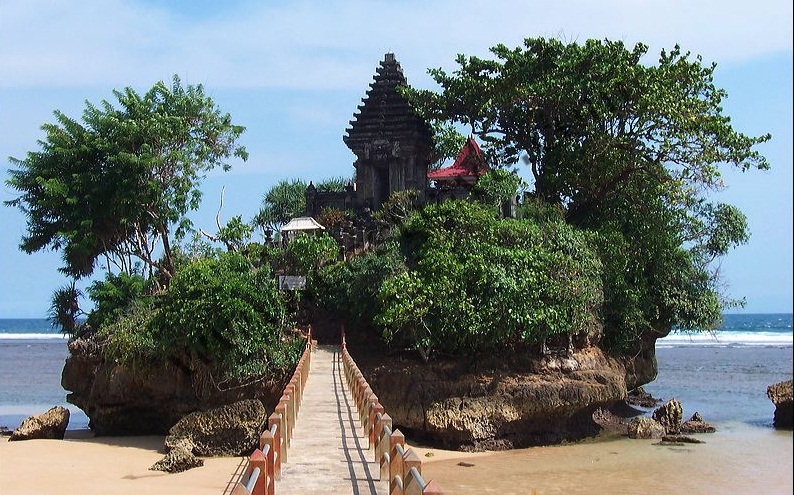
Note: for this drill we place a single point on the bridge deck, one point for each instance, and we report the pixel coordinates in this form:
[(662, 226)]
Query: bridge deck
[(328, 452)]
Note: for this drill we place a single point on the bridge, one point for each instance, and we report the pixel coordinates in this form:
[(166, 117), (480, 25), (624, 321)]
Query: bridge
[(330, 434)]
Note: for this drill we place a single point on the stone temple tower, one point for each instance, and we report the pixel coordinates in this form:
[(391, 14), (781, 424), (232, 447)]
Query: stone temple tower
[(392, 143)]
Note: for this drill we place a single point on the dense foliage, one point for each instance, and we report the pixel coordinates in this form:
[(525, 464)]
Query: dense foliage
[(118, 185), (226, 313), (476, 284), (350, 289), (620, 147)]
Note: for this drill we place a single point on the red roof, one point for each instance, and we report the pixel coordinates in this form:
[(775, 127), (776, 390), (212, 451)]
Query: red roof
[(469, 163)]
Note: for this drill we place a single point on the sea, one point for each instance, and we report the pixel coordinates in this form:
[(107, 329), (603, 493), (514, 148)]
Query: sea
[(722, 375)]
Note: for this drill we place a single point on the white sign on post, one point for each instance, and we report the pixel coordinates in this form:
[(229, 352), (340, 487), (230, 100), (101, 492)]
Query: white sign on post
[(291, 282)]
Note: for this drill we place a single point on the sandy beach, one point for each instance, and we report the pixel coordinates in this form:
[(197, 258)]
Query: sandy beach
[(738, 458), (82, 464)]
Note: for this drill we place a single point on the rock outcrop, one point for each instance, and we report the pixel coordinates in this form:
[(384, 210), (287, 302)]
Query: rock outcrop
[(550, 400), (119, 401), (781, 395), (230, 430), (179, 458), (696, 424), (645, 428), (49, 425), (670, 415)]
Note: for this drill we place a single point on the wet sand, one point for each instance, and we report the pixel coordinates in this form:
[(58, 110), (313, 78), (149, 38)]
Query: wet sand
[(82, 464), (738, 458)]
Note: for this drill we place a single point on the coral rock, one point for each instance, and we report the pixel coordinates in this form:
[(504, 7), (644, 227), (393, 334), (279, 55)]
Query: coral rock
[(781, 395), (670, 416), (229, 430), (51, 424), (645, 428)]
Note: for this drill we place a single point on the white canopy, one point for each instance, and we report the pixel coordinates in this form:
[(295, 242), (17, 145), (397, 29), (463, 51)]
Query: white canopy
[(301, 224)]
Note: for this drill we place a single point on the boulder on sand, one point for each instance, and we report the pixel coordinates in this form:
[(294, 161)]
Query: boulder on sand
[(179, 458), (643, 427), (781, 395), (695, 424), (670, 416), (229, 430), (49, 425)]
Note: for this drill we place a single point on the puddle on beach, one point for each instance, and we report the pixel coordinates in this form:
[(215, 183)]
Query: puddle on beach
[(742, 459)]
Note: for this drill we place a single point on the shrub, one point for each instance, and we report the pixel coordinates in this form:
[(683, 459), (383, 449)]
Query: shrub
[(112, 296), (228, 314), (350, 289), (477, 284)]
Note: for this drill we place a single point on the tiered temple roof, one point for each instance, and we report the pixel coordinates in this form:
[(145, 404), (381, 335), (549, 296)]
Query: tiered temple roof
[(384, 113)]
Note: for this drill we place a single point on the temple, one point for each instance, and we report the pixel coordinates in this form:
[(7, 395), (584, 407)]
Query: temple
[(393, 145)]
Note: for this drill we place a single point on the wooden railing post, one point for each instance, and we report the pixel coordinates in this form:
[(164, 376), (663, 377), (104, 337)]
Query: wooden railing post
[(375, 417), (432, 488), (410, 460), (258, 460), (281, 410), (267, 444)]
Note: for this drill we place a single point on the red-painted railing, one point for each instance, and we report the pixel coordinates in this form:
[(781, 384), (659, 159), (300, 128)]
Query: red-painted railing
[(264, 465), (398, 464)]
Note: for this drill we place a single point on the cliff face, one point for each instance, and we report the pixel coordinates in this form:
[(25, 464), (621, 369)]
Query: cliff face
[(120, 402), (539, 401)]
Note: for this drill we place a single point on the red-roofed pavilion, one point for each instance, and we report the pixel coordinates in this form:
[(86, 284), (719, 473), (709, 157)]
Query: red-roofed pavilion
[(469, 166)]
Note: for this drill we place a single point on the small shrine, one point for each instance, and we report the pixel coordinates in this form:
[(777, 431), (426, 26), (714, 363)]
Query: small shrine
[(456, 180)]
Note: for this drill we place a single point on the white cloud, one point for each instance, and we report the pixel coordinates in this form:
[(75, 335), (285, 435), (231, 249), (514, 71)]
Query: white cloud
[(314, 45)]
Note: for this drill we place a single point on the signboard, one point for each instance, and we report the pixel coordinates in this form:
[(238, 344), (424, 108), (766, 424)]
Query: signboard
[(291, 282)]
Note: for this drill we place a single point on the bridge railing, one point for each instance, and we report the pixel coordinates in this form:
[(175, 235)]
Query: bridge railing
[(400, 465), (274, 442)]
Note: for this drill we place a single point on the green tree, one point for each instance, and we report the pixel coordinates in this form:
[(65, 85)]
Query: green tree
[(282, 202), (118, 184), (223, 312), (475, 284), (622, 147), (65, 309)]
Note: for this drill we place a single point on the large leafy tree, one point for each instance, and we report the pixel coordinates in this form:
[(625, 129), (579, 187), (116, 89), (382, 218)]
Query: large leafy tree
[(628, 148), (119, 183)]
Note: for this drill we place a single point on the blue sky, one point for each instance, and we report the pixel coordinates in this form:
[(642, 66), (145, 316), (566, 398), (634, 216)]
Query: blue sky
[(293, 73)]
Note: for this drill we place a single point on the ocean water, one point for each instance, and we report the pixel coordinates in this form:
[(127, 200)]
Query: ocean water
[(723, 376)]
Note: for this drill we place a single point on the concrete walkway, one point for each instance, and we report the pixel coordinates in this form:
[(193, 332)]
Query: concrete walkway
[(328, 452)]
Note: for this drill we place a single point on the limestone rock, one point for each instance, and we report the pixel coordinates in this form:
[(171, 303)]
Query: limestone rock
[(680, 439), (540, 401), (639, 397), (645, 428), (695, 424), (229, 430), (51, 424), (178, 459), (781, 395), (670, 416), (119, 401)]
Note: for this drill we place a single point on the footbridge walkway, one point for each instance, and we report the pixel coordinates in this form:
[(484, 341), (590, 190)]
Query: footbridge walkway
[(329, 434)]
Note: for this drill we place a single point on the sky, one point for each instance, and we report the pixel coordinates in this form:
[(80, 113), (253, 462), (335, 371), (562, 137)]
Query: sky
[(293, 72)]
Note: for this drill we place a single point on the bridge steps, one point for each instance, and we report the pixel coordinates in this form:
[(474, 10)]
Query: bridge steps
[(328, 452)]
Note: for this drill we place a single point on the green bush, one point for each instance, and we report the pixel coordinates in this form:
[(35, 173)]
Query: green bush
[(477, 284), (350, 289), (227, 314), (112, 296), (128, 340), (305, 254)]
